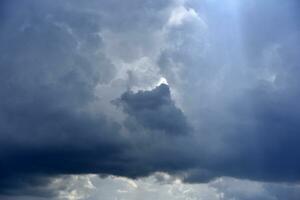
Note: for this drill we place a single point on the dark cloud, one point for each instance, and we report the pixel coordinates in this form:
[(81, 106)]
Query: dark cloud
[(234, 68), (28, 185), (155, 110), (50, 65), (47, 79)]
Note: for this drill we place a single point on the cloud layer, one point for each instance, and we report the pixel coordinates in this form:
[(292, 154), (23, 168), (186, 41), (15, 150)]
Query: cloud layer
[(80, 90)]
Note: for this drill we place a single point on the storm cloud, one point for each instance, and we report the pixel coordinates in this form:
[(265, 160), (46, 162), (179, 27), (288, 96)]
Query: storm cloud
[(81, 91), (155, 110)]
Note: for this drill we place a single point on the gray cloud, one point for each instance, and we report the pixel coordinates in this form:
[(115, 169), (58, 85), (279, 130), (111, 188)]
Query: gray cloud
[(155, 110), (52, 61), (232, 68), (244, 110)]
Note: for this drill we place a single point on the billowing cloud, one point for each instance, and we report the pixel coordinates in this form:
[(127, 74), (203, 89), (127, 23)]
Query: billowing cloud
[(81, 92), (244, 108), (155, 110), (52, 113)]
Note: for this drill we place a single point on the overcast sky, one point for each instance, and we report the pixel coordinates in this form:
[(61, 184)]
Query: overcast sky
[(149, 99)]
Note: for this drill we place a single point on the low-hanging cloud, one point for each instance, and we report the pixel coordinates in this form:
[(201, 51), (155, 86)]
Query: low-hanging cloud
[(233, 109)]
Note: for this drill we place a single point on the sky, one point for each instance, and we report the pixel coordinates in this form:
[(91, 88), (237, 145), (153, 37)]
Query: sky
[(145, 99)]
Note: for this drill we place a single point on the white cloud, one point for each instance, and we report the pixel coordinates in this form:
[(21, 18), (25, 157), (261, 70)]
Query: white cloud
[(180, 14), (161, 186)]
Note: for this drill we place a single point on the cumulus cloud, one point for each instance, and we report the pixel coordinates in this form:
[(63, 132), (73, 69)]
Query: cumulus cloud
[(244, 109), (229, 109), (155, 110), (53, 120), (162, 186)]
